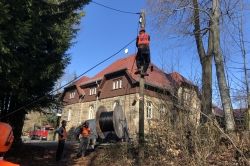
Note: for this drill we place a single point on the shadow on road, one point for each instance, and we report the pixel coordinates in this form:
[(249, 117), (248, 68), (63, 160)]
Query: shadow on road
[(43, 154)]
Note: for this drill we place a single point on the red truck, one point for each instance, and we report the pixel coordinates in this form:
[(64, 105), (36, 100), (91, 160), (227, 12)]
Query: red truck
[(39, 133)]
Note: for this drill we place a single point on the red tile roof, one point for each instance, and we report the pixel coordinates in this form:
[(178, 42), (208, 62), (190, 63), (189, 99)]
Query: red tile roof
[(81, 80), (77, 83), (238, 113), (177, 79), (217, 111), (156, 77), (128, 63)]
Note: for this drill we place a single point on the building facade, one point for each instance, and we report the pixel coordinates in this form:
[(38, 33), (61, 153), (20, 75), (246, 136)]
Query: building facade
[(239, 117), (117, 84)]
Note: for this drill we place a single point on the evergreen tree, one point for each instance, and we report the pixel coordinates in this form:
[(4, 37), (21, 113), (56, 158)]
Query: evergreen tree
[(34, 38)]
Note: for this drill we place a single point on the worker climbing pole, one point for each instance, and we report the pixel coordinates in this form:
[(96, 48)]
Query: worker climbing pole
[(143, 50), (142, 62)]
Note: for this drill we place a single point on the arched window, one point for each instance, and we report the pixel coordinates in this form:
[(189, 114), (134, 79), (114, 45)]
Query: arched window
[(69, 115), (162, 109), (91, 112), (149, 108), (116, 102)]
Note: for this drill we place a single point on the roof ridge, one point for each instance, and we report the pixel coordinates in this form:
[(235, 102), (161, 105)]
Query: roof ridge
[(157, 77)]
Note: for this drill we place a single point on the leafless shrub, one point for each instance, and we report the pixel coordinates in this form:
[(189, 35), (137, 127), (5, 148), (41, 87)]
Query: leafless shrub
[(116, 155), (168, 144), (176, 139)]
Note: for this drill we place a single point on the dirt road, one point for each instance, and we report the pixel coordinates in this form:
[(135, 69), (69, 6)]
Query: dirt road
[(42, 153)]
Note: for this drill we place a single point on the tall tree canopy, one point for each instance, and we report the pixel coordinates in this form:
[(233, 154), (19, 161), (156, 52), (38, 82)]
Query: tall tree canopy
[(203, 20), (34, 38)]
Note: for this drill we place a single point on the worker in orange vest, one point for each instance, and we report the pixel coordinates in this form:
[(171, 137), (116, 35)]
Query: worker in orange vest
[(85, 135), (6, 140), (143, 53), (62, 135)]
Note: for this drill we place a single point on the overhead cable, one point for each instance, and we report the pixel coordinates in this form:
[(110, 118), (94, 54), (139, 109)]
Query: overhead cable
[(72, 81), (118, 10)]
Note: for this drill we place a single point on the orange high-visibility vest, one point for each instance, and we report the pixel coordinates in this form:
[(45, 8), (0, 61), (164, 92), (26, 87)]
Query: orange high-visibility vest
[(64, 135), (143, 39), (6, 163), (85, 132)]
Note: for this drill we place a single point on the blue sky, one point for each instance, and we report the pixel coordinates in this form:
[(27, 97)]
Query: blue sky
[(103, 32)]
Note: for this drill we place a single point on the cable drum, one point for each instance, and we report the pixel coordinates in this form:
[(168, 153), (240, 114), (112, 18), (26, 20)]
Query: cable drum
[(110, 121), (98, 116), (106, 121), (119, 121)]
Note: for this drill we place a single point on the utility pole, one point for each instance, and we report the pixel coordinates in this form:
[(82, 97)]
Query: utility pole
[(141, 104)]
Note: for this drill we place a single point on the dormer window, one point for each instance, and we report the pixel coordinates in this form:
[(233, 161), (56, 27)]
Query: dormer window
[(72, 95), (92, 91), (117, 84)]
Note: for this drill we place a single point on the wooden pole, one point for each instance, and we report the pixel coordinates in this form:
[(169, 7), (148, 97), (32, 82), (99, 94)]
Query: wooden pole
[(141, 121), (141, 105)]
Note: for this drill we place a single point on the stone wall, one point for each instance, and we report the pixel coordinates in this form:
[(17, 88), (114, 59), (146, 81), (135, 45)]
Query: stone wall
[(190, 104), (130, 105), (81, 111)]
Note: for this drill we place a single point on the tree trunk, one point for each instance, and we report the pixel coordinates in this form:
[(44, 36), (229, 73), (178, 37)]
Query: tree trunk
[(206, 63), (220, 73), (206, 99), (15, 119), (17, 122)]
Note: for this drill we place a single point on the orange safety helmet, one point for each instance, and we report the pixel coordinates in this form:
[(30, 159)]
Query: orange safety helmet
[(6, 137)]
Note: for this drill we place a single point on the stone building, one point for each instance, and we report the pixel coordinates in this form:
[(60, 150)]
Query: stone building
[(239, 117), (117, 84)]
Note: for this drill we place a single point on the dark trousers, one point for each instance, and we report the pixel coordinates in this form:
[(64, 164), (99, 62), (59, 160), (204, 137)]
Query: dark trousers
[(59, 151), (83, 146), (143, 58)]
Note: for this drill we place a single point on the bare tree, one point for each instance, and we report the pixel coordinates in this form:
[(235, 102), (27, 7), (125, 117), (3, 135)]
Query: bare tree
[(219, 63), (186, 18), (205, 60), (243, 52), (204, 18), (241, 94)]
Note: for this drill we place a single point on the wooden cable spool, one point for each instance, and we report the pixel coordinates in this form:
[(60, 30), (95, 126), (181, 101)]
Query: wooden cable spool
[(110, 121)]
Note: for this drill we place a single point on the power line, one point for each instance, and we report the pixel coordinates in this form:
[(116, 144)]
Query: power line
[(239, 68), (51, 92), (118, 10), (95, 66), (236, 78), (233, 61)]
